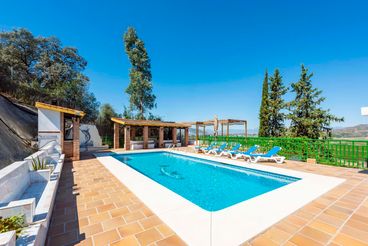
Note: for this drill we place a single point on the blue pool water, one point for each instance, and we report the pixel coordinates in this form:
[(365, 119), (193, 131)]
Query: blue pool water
[(210, 185)]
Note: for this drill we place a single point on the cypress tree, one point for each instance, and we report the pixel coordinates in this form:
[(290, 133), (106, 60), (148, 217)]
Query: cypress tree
[(308, 119), (264, 111), (276, 104), (140, 88)]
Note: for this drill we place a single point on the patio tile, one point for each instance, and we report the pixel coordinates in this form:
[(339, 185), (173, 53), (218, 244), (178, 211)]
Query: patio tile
[(263, 241), (127, 241), (119, 212), (85, 242), (356, 224), (63, 239), (317, 235), (299, 239), (344, 239), (99, 217), (92, 229), (171, 241), (148, 236), (277, 235), (150, 222), (133, 216), (165, 230), (105, 238), (87, 212), (355, 233), (106, 207), (58, 229), (113, 223), (130, 229), (322, 226)]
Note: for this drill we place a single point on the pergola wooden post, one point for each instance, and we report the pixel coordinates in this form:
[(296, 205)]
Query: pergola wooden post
[(174, 135), (132, 132), (116, 135), (197, 134), (161, 137), (186, 133), (245, 129), (76, 148), (145, 137), (127, 137)]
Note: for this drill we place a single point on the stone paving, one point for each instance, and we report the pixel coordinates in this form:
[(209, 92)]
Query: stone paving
[(93, 208)]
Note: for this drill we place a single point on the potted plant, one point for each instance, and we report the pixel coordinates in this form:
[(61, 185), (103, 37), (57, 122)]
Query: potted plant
[(41, 171)]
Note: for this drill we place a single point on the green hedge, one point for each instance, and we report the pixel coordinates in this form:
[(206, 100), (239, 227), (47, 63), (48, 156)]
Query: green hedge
[(349, 153), (109, 140)]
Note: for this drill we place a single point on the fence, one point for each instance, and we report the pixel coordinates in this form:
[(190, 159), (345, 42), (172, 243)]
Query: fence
[(348, 153)]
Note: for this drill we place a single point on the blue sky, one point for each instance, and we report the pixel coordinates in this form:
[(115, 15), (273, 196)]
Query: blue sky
[(208, 57)]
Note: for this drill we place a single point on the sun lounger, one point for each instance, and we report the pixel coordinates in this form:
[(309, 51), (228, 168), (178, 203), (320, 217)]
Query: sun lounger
[(270, 155), (244, 153), (205, 149), (218, 150), (234, 150)]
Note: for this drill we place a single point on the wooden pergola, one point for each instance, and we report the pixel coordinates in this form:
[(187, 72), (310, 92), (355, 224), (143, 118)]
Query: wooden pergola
[(129, 125), (216, 123)]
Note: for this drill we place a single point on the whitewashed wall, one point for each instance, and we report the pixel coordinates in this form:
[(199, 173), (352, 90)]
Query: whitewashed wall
[(48, 121), (95, 140)]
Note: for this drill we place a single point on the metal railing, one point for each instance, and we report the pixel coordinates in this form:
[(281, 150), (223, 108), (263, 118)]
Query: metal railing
[(348, 153)]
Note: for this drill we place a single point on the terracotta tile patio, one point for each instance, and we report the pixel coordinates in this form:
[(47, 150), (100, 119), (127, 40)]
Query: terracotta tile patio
[(93, 208)]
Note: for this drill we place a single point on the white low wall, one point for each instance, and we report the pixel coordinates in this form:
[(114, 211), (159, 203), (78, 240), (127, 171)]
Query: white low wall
[(135, 145), (19, 196)]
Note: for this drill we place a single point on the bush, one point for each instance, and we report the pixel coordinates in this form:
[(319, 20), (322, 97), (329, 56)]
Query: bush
[(38, 164), (13, 223)]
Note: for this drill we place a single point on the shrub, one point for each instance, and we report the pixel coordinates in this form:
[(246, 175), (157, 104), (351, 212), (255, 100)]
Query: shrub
[(13, 223), (38, 164)]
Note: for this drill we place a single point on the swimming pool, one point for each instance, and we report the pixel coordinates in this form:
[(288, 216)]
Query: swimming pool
[(208, 184), (179, 186)]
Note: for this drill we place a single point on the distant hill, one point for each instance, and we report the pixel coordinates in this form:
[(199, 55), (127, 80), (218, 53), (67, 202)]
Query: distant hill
[(355, 132)]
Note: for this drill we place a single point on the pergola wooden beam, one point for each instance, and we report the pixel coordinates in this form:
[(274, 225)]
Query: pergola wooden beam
[(226, 122), (156, 123)]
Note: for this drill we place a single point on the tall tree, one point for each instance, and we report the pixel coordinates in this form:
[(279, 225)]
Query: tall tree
[(307, 117), (104, 123), (276, 104), (140, 87), (41, 69), (264, 110)]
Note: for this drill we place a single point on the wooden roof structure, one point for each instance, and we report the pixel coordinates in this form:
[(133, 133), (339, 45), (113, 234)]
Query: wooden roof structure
[(219, 122), (60, 109), (216, 123), (152, 123)]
